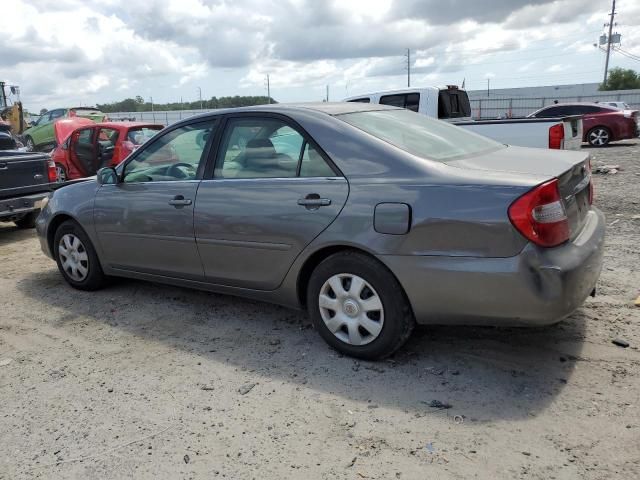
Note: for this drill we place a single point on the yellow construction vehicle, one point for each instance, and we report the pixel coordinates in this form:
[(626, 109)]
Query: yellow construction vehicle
[(12, 114)]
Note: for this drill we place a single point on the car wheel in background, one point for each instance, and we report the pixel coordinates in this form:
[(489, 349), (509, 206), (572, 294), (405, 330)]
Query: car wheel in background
[(76, 257), (599, 136), (61, 173), (28, 142), (358, 306), (28, 221)]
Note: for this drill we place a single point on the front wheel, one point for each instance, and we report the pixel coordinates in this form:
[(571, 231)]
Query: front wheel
[(358, 306), (76, 257), (599, 136)]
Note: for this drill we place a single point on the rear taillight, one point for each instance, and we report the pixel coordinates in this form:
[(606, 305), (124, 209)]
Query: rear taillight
[(51, 171), (539, 215), (556, 136)]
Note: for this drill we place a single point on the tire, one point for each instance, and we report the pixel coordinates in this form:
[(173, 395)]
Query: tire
[(80, 266), (61, 173), (28, 142), (355, 325), (599, 136), (28, 221)]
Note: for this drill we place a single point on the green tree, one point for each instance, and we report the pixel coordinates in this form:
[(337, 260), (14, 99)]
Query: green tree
[(43, 111), (621, 79)]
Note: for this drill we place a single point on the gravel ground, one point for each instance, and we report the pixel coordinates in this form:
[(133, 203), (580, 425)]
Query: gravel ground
[(149, 381)]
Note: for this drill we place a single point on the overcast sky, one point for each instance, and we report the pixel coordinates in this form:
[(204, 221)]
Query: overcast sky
[(80, 52)]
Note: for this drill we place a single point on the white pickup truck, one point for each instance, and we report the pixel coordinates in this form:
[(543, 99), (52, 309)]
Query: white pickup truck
[(452, 104)]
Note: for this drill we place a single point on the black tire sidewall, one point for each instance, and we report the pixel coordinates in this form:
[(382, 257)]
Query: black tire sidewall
[(398, 319), (95, 279)]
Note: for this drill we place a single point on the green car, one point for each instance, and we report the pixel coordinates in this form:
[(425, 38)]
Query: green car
[(40, 135)]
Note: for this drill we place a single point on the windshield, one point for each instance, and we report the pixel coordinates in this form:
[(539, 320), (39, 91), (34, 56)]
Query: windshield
[(419, 135)]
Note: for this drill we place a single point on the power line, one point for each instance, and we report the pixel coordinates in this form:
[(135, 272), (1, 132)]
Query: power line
[(628, 55)]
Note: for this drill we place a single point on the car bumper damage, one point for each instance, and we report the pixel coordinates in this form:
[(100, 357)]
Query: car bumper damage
[(539, 286)]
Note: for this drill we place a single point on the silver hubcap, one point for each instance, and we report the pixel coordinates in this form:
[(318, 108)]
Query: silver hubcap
[(73, 257), (599, 137), (61, 176), (351, 309)]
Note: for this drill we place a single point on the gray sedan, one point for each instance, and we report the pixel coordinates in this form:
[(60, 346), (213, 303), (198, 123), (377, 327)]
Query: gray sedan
[(372, 218)]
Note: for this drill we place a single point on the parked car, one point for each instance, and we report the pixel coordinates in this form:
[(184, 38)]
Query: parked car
[(602, 124), (451, 104), (380, 218), (40, 136), (25, 181), (84, 146)]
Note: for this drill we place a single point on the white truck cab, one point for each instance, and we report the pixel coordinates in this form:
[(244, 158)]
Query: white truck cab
[(446, 103)]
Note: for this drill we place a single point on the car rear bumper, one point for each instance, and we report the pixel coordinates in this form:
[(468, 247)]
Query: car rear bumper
[(539, 286), (19, 206)]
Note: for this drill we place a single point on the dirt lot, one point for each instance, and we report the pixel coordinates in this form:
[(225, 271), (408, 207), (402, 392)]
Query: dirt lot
[(149, 381)]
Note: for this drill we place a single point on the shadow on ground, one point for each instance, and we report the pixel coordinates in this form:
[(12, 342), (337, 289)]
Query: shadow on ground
[(486, 374), (10, 234)]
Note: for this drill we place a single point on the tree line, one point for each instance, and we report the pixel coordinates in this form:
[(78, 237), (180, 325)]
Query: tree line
[(621, 79), (139, 104)]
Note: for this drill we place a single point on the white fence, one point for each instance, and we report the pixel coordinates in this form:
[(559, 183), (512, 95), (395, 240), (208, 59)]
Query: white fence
[(163, 117), (505, 107)]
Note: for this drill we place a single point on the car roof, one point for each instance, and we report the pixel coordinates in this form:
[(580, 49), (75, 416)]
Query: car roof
[(329, 108), (128, 125), (581, 104)]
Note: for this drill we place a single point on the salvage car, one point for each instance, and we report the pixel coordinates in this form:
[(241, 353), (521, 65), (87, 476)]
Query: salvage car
[(40, 136), (602, 124), (84, 146), (378, 219)]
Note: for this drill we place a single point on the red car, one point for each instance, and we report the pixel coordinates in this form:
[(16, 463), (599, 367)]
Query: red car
[(84, 146), (601, 124)]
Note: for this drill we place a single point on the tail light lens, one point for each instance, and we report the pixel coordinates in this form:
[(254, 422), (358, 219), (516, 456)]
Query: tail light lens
[(556, 136), (540, 216), (51, 171)]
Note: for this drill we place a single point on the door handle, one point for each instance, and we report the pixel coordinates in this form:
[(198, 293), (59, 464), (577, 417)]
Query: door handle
[(313, 200), (179, 201)]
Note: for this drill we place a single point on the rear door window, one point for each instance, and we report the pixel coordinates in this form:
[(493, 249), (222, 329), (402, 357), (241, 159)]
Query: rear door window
[(361, 100)]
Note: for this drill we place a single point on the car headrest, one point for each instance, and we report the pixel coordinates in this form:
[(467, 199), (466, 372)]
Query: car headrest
[(260, 148)]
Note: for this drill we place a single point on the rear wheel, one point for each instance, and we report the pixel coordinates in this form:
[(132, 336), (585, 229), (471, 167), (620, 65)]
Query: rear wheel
[(28, 221), (76, 257), (599, 136), (358, 306)]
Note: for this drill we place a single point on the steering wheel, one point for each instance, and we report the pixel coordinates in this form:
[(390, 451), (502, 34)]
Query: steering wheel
[(174, 170)]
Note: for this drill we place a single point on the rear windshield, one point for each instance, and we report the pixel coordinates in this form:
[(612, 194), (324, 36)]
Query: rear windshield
[(453, 103), (86, 111), (420, 135), (138, 136)]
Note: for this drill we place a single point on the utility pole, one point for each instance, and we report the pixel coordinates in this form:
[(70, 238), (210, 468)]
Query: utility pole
[(408, 67), (606, 62), (327, 93), (151, 99), (488, 83), (200, 96), (268, 90)]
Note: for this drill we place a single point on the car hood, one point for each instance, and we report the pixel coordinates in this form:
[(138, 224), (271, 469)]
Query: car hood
[(533, 161), (64, 128)]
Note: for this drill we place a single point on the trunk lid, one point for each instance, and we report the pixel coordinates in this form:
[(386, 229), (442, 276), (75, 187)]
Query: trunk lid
[(571, 168), (23, 173)]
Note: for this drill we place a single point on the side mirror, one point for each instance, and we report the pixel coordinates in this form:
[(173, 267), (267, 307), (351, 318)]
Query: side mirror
[(107, 176)]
